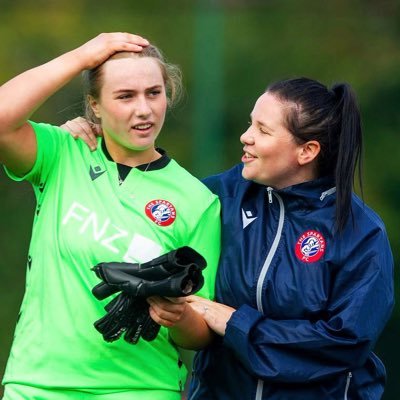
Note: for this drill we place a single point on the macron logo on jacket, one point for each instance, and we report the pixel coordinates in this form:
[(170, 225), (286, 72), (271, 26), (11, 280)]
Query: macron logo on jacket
[(247, 218)]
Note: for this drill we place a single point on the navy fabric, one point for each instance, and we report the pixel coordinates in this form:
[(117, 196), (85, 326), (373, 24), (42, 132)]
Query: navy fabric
[(307, 328)]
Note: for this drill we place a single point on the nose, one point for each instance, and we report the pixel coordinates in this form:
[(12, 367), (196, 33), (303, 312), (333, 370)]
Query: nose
[(142, 108), (247, 137)]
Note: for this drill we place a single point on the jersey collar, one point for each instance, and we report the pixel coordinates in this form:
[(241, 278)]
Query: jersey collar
[(160, 163)]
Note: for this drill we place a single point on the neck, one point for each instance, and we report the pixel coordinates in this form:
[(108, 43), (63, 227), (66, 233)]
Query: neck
[(129, 157), (305, 175)]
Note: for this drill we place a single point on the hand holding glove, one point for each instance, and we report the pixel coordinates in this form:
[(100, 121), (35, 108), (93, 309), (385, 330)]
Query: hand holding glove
[(174, 274)]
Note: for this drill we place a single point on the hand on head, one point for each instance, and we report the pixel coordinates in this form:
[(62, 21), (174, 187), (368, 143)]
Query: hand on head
[(103, 46)]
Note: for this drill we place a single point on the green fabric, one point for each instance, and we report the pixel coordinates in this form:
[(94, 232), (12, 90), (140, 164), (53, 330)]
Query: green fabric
[(20, 392), (79, 222)]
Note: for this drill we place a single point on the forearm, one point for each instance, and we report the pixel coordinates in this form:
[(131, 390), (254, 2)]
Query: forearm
[(191, 332), (22, 95)]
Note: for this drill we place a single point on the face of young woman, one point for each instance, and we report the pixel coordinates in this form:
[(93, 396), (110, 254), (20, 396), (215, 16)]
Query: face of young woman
[(271, 155), (132, 106)]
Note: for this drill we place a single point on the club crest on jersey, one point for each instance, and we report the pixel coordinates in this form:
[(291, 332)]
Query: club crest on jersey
[(310, 246), (161, 212)]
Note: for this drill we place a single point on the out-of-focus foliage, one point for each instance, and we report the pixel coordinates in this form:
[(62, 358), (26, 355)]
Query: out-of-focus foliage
[(256, 42)]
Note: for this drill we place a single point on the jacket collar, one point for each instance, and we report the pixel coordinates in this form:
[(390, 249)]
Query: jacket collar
[(312, 194)]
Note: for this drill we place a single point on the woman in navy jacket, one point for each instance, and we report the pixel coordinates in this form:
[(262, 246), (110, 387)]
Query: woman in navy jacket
[(305, 281)]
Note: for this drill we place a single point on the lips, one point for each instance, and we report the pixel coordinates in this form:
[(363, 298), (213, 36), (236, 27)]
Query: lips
[(248, 156), (143, 126)]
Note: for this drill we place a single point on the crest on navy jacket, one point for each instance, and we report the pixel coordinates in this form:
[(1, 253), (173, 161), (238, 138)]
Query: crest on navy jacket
[(310, 246)]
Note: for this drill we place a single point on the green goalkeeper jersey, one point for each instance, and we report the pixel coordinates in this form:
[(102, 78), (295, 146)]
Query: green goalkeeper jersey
[(84, 216)]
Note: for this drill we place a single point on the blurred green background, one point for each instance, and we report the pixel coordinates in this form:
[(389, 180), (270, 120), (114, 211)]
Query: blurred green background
[(229, 50)]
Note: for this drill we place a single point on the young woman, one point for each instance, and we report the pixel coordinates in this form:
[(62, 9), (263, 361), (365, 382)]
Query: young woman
[(126, 201), (305, 279)]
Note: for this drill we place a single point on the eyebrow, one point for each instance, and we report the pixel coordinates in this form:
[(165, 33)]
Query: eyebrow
[(154, 87), (133, 90)]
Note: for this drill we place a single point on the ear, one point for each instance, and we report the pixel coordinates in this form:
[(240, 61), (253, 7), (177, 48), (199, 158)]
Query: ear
[(308, 152), (94, 105)]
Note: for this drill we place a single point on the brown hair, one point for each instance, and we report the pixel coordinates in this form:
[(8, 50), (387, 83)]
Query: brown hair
[(92, 79)]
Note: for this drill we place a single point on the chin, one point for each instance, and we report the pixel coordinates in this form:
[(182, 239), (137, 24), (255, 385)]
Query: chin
[(142, 146), (247, 174), (253, 177)]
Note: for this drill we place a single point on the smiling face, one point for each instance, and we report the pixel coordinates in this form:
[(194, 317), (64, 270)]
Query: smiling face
[(272, 157), (131, 106)]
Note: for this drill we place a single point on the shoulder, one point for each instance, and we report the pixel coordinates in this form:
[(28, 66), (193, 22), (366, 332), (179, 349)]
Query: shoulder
[(368, 231), (366, 215), (55, 149), (52, 135), (43, 128), (192, 185), (228, 183)]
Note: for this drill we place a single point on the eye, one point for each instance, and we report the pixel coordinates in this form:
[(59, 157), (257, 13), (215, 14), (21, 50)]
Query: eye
[(124, 96), (154, 93)]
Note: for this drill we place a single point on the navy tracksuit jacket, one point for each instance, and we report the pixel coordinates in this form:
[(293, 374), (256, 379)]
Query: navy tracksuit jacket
[(310, 303)]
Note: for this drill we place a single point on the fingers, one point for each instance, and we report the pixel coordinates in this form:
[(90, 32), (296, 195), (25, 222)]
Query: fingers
[(163, 320), (165, 312), (123, 41), (128, 38), (204, 307), (137, 41), (103, 46), (176, 300), (198, 301), (163, 305), (215, 314), (97, 129), (201, 305), (80, 128), (199, 308), (193, 298)]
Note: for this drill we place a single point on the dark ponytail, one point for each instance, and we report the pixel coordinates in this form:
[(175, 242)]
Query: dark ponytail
[(332, 118), (349, 152)]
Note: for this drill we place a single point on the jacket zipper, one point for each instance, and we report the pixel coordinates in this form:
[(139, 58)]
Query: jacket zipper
[(327, 193), (269, 192), (264, 270), (349, 376)]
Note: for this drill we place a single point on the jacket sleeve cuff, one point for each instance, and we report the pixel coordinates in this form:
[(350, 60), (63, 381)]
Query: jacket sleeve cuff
[(239, 326)]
